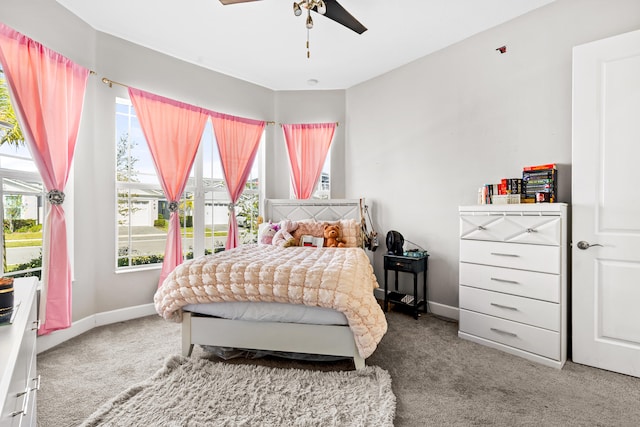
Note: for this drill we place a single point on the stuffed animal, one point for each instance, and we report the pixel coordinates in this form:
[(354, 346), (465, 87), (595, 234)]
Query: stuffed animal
[(332, 236), (270, 230), (283, 236)]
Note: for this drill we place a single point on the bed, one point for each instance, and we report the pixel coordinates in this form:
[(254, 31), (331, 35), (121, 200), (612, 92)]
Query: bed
[(242, 298)]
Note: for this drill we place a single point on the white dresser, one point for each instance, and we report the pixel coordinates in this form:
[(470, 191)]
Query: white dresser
[(19, 382), (513, 279)]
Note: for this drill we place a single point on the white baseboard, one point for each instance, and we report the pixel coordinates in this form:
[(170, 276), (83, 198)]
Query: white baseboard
[(45, 342), (435, 308), (444, 310)]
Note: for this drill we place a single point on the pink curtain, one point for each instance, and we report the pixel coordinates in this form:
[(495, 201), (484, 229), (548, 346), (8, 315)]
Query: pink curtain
[(47, 90), (173, 131), (238, 140), (307, 145)]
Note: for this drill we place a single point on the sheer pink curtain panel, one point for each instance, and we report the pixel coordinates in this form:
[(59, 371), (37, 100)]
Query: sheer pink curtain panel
[(47, 91), (307, 145), (238, 141), (173, 131)]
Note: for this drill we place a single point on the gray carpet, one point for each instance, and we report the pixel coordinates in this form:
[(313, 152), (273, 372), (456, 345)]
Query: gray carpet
[(438, 379), (199, 392)]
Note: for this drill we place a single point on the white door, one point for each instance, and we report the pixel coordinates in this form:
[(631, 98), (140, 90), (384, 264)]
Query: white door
[(606, 204)]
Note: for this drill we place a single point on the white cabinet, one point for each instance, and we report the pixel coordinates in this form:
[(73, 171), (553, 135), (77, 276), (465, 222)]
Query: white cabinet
[(19, 381), (513, 279)]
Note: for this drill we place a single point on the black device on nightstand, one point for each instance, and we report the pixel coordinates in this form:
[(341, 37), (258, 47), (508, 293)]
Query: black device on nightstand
[(395, 243), (409, 264)]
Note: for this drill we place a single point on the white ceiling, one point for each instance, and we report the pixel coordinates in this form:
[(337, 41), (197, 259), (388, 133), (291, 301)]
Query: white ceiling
[(264, 43)]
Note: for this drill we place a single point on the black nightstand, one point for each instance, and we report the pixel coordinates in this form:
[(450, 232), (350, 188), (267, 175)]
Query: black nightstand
[(415, 266)]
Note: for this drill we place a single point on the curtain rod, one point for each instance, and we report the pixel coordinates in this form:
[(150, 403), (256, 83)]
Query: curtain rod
[(113, 82), (337, 124), (90, 72)]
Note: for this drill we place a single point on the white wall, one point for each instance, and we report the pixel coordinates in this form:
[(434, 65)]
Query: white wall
[(435, 130)]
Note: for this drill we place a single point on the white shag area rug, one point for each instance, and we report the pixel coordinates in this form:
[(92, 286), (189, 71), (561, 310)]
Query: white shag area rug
[(199, 392)]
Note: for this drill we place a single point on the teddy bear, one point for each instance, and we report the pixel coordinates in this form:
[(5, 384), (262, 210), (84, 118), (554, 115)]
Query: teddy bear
[(332, 236), (283, 236), (270, 230)]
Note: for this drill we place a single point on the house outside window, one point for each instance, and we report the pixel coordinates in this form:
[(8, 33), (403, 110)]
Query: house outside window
[(22, 197), (142, 209)]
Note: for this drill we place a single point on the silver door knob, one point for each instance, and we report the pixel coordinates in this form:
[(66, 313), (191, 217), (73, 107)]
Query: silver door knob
[(586, 245)]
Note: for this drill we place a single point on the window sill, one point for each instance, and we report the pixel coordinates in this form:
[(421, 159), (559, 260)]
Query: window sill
[(136, 269)]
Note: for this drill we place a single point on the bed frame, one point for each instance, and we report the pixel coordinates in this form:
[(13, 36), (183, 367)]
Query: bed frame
[(334, 340)]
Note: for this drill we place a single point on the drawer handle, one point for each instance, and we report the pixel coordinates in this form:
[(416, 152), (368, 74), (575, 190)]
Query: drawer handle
[(25, 402), (504, 306), (531, 230), (500, 331), (513, 282), (399, 264), (501, 254), (37, 385)]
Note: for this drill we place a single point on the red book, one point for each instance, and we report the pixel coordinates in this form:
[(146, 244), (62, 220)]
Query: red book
[(539, 167)]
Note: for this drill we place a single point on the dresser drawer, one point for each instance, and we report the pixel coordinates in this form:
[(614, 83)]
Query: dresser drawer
[(402, 263), (540, 258), (531, 284), (524, 310), (524, 337), (532, 229)]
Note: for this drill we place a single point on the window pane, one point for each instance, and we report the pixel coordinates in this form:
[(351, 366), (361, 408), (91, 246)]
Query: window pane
[(23, 218), (141, 237), (247, 214), (134, 162), (210, 155), (22, 196), (185, 210), (323, 187), (216, 219)]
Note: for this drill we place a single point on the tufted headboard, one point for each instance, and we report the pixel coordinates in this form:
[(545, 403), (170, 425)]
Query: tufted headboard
[(320, 209)]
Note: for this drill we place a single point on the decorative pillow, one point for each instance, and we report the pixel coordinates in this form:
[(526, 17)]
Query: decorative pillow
[(306, 220), (315, 229), (351, 235)]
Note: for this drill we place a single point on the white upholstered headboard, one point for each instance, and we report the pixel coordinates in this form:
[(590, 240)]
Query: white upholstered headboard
[(276, 210)]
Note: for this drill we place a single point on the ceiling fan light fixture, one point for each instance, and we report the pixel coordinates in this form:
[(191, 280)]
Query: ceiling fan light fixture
[(296, 9), (309, 21), (321, 7)]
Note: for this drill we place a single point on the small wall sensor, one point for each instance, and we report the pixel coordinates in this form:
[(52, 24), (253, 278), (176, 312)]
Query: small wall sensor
[(502, 49)]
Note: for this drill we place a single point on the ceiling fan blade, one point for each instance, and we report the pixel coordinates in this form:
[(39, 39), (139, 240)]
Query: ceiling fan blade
[(339, 14), (225, 2)]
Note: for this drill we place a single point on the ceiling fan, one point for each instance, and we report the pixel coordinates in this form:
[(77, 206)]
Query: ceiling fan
[(329, 8)]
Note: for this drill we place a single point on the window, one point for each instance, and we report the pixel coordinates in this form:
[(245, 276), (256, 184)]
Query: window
[(22, 197), (323, 187), (142, 209), (215, 200), (141, 232)]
